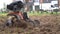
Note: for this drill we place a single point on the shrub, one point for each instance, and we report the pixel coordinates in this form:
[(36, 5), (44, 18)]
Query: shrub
[(41, 10), (56, 10), (46, 11)]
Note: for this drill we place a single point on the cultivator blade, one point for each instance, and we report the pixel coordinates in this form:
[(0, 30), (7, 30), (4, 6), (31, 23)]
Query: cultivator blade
[(23, 23), (34, 23), (37, 23)]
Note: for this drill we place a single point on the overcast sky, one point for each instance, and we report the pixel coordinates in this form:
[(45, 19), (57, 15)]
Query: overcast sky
[(4, 1)]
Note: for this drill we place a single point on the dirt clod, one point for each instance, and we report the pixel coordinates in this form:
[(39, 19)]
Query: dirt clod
[(47, 25)]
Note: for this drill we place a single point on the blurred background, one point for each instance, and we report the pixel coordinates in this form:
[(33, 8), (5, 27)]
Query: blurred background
[(33, 5)]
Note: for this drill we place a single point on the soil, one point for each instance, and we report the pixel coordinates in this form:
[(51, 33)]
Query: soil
[(49, 24)]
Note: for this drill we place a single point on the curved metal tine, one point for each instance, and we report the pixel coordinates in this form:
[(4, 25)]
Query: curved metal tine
[(8, 23), (37, 23), (32, 22)]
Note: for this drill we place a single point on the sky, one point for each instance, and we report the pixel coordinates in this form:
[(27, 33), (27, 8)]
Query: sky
[(4, 1)]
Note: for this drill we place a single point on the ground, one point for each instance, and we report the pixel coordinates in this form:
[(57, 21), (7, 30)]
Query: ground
[(49, 24)]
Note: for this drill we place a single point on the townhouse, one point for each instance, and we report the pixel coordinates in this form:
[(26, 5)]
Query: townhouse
[(45, 4), (41, 4)]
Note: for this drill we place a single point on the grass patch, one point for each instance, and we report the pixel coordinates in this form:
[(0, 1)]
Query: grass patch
[(33, 13), (3, 14)]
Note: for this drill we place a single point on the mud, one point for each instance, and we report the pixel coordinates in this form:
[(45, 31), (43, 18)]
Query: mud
[(49, 24)]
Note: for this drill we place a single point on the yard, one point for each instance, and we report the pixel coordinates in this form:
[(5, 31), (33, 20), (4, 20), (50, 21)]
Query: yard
[(49, 24), (32, 13)]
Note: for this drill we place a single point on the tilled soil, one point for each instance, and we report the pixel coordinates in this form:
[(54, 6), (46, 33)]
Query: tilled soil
[(49, 24)]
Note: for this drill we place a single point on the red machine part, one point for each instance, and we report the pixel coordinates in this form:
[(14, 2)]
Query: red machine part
[(17, 13)]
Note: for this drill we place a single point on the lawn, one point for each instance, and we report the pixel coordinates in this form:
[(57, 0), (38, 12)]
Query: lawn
[(32, 13), (3, 14), (40, 14)]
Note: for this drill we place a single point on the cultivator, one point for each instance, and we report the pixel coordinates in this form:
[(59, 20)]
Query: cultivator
[(16, 18)]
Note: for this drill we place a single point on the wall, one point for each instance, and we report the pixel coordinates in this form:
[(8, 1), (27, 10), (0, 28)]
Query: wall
[(46, 6)]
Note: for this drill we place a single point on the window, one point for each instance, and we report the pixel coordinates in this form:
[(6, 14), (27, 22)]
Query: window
[(56, 5), (47, 1), (37, 8), (36, 0)]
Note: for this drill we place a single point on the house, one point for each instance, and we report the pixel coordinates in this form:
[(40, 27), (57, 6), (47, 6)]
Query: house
[(41, 4), (45, 4)]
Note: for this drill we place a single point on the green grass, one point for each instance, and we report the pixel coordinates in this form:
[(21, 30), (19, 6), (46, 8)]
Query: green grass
[(40, 14), (3, 14), (32, 13)]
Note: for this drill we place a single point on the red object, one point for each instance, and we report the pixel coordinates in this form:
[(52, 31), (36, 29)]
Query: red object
[(17, 13)]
